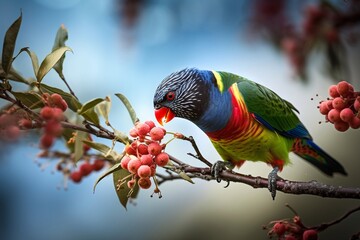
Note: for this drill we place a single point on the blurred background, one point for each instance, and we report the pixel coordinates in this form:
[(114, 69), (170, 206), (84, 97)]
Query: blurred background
[(296, 48)]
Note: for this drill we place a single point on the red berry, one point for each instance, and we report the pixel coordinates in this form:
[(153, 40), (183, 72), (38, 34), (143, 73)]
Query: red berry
[(151, 124), (98, 164), (343, 88), (86, 168), (157, 133), (76, 176), (86, 147), (153, 170), (133, 133), (55, 99), (154, 148), (329, 103), (347, 115), (47, 113), (142, 149), (131, 183), (355, 122), (142, 129), (130, 150), (58, 114), (323, 107), (334, 115), (146, 159), (12, 133), (144, 171), (25, 123), (279, 228), (124, 162), (63, 105), (54, 128), (333, 92), (341, 126), (134, 145), (310, 234), (46, 141), (162, 159), (339, 103), (357, 104), (133, 165), (144, 183)]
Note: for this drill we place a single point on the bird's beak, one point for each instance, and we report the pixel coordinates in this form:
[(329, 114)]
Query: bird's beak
[(164, 115)]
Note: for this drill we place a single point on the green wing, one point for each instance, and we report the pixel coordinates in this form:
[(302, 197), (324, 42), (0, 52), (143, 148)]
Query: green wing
[(269, 109)]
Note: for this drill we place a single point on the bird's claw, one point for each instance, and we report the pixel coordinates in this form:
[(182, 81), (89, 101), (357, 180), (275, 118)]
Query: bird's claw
[(218, 167), (272, 179)]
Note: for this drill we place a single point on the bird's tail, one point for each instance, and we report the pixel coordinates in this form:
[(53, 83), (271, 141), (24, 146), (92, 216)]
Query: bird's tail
[(308, 150)]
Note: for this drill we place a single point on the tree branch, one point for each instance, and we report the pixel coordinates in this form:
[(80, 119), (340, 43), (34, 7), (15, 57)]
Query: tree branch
[(291, 187)]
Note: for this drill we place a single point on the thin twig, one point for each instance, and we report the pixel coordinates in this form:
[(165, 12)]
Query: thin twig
[(324, 226), (68, 86), (198, 153)]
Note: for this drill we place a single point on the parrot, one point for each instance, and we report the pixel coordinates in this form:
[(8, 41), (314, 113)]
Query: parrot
[(244, 120)]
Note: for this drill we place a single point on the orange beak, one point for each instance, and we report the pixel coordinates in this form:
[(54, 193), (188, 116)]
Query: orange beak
[(164, 115)]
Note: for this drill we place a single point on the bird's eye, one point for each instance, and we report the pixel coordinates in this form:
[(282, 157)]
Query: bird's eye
[(170, 96)]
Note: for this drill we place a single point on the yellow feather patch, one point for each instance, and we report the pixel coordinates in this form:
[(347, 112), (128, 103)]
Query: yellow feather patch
[(219, 81), (237, 94)]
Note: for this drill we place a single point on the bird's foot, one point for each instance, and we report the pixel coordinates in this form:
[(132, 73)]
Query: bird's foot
[(218, 167), (272, 178)]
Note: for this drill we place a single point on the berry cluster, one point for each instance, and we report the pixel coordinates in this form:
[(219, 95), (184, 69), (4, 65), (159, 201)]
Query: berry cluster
[(52, 114), (342, 108), (317, 26), (144, 154), (85, 169), (316, 23), (292, 229), (9, 129)]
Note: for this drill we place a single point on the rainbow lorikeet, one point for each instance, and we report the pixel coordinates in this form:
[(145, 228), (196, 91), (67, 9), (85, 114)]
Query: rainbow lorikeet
[(243, 119)]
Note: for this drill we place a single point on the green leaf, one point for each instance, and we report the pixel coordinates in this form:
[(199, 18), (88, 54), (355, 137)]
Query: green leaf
[(78, 148), (90, 104), (30, 99), (60, 39), (9, 44), (97, 146), (104, 109), (121, 136), (72, 102), (123, 192), (12, 75), (91, 116), (88, 112), (186, 177), (128, 106), (105, 150), (109, 171), (49, 62), (34, 59)]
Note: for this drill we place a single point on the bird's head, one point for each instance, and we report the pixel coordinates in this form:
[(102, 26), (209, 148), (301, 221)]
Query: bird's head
[(182, 94)]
